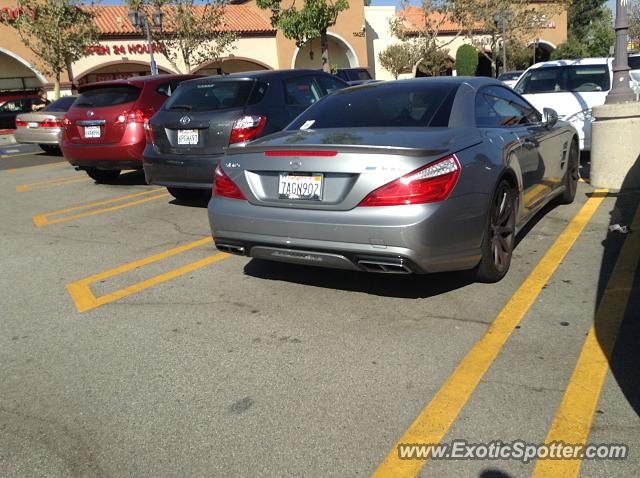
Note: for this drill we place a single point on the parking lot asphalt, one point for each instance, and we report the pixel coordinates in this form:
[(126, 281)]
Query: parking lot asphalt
[(131, 347)]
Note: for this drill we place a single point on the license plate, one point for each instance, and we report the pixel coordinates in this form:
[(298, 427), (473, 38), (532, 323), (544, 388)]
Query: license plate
[(187, 136), (300, 187), (32, 125), (92, 131)]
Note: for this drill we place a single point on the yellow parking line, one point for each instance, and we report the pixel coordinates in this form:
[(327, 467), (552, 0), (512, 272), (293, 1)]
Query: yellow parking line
[(572, 422), (37, 166), (51, 182), (437, 417), (85, 300), (41, 220), (7, 156)]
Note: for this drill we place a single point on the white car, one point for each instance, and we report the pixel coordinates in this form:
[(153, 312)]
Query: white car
[(510, 78), (571, 87)]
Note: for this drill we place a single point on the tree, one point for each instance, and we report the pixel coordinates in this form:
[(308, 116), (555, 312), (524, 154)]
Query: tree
[(422, 34), (193, 31), (57, 32), (466, 60), (580, 15), (478, 16), (601, 36), (571, 49), (634, 22), (397, 58), (306, 23), (597, 39)]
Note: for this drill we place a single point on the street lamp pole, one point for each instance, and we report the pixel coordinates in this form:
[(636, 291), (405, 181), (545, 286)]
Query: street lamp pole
[(139, 20), (621, 91), (501, 18)]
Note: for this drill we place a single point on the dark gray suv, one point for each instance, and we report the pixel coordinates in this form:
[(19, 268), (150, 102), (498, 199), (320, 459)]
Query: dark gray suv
[(187, 137)]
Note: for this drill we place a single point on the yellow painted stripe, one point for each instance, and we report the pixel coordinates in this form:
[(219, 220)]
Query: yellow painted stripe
[(85, 299), (573, 419), (7, 156), (437, 417), (50, 182), (37, 166), (41, 220)]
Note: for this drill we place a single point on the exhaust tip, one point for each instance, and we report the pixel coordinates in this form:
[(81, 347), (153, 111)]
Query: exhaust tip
[(231, 249), (384, 266)]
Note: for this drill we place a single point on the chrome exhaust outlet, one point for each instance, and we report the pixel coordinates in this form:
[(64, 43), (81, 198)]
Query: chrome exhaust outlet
[(231, 249), (384, 266)]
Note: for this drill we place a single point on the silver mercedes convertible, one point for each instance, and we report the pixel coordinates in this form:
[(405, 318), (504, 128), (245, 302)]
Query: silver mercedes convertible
[(414, 176)]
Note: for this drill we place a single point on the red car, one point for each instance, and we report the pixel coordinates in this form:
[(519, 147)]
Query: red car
[(103, 132)]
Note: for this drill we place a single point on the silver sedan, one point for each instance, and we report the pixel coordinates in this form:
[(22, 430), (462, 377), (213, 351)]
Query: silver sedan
[(415, 176), (44, 127)]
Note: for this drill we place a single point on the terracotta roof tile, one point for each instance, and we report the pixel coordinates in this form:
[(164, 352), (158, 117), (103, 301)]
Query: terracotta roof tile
[(413, 20), (114, 20)]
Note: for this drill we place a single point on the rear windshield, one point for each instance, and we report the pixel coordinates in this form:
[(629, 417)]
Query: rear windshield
[(390, 105), (634, 62), (61, 105), (216, 95), (563, 79), (107, 96), (512, 75)]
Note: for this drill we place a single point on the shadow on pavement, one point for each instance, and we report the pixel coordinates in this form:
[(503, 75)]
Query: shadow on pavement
[(493, 473), (130, 178), (400, 286), (624, 361)]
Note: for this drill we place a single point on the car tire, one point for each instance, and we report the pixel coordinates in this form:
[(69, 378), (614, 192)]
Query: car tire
[(103, 176), (185, 194), (49, 149), (499, 238), (571, 176)]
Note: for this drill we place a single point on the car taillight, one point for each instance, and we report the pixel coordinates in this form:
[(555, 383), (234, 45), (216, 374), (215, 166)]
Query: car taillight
[(246, 128), (223, 186), (20, 123), (430, 183), (135, 116), (148, 132), (51, 123), (66, 122)]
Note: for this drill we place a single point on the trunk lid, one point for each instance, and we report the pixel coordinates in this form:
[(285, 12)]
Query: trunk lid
[(99, 115), (199, 116), (350, 163)]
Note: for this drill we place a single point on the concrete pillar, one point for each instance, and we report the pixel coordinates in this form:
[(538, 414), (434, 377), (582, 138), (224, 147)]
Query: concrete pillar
[(615, 146)]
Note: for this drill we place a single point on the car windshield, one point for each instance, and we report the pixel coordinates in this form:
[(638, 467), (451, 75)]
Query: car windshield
[(389, 105), (60, 105), (215, 95), (98, 96), (563, 79)]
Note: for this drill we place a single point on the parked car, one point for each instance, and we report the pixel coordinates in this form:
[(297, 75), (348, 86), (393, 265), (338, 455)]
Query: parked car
[(187, 137), (355, 76), (571, 87), (14, 103), (44, 127), (103, 131), (411, 176), (634, 71), (510, 78)]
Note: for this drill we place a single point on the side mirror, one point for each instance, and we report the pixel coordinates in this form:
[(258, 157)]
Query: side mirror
[(549, 117)]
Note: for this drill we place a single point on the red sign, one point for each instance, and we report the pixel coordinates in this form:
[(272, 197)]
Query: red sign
[(9, 14), (121, 50)]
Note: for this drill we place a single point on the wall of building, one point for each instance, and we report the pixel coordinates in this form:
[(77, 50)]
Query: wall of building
[(348, 30), (134, 51)]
